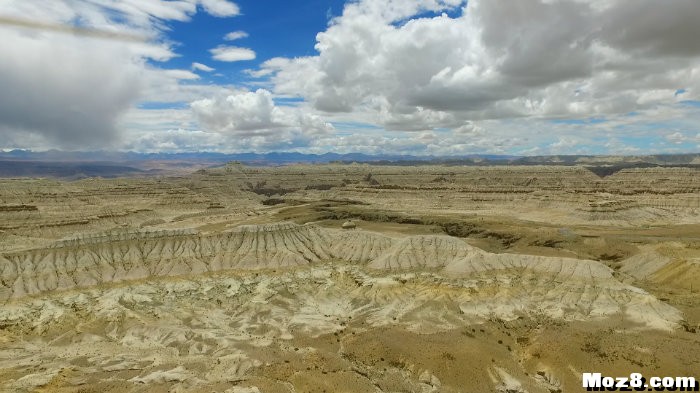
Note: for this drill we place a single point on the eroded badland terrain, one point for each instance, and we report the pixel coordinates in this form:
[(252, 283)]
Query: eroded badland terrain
[(454, 279)]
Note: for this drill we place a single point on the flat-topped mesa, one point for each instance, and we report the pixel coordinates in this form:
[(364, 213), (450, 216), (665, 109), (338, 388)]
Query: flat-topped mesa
[(276, 227), (510, 285), (125, 256), (120, 235), (455, 257)]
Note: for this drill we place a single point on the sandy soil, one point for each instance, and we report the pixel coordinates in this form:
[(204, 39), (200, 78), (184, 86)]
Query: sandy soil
[(455, 279)]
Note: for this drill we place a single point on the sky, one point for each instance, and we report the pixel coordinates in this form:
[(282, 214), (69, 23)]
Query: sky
[(418, 77)]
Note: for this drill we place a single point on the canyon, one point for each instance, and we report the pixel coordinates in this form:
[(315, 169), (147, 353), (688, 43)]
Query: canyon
[(349, 278)]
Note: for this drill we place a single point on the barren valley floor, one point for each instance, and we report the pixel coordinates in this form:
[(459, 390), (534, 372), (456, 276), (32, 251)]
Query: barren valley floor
[(455, 279)]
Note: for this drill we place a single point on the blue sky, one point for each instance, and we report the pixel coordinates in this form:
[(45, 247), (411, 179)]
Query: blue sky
[(438, 77), (275, 29)]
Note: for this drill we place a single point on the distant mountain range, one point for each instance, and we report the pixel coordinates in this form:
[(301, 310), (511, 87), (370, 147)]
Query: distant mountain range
[(281, 158), (273, 158), (55, 163)]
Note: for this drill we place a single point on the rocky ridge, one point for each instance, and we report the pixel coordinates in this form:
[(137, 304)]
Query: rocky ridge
[(505, 284)]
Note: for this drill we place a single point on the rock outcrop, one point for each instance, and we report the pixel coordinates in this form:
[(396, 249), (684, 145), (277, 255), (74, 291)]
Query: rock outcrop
[(505, 284)]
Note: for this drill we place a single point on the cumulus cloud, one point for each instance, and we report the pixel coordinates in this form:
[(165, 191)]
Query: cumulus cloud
[(651, 29), (235, 35), (69, 91), (202, 67), (676, 138), (249, 114), (679, 138), (232, 53), (463, 77), (66, 90), (241, 112), (486, 60), (220, 8), (181, 74)]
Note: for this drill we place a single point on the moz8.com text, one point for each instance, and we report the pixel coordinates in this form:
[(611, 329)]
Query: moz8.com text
[(636, 382)]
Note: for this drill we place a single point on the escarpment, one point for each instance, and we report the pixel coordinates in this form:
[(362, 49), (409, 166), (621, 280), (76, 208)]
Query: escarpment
[(519, 283), (120, 257), (245, 279)]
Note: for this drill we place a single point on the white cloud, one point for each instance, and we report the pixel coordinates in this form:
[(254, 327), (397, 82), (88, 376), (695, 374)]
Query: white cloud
[(71, 91), (174, 140), (137, 120), (250, 114), (142, 12), (71, 101), (239, 112), (232, 53), (202, 67), (181, 74), (297, 129), (552, 59), (220, 8), (676, 137), (679, 138), (235, 35), (461, 82)]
